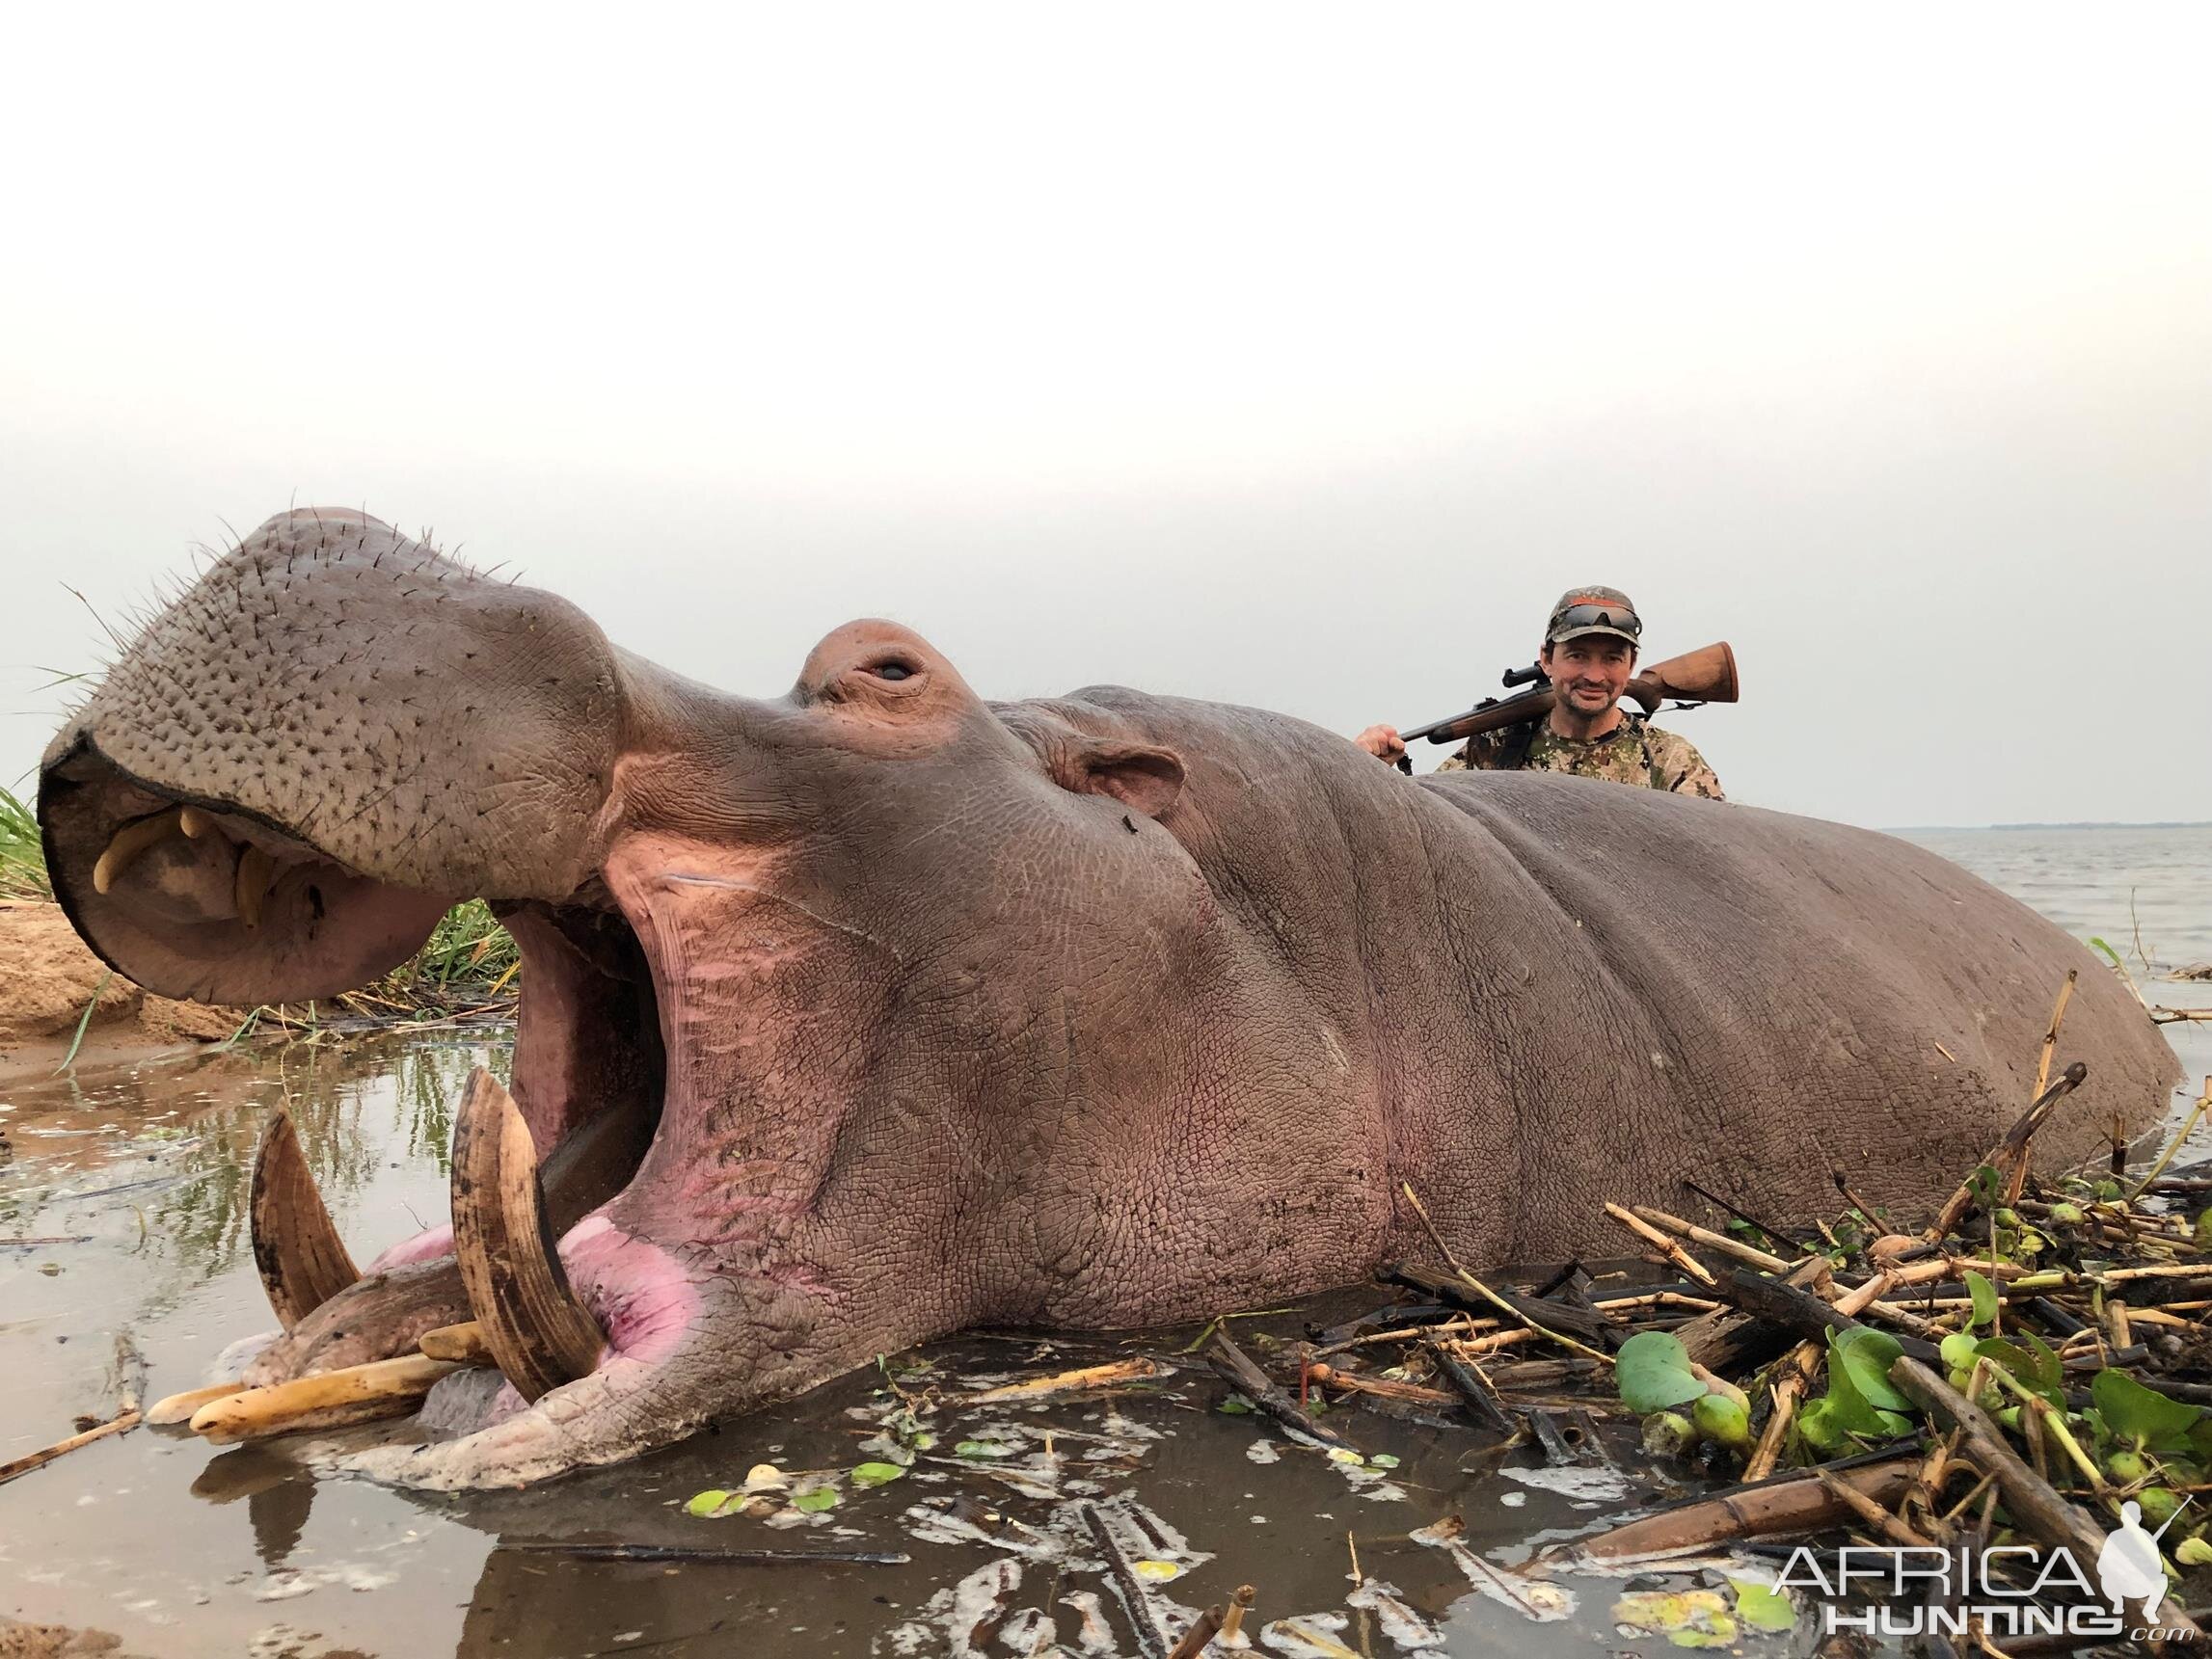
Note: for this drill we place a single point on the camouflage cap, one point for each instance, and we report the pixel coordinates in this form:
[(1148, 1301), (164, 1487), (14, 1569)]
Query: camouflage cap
[(1593, 610)]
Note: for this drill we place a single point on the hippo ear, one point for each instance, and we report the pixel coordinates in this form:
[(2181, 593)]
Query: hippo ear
[(1138, 775)]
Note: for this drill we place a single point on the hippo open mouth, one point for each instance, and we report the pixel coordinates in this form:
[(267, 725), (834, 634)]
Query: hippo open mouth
[(861, 1016)]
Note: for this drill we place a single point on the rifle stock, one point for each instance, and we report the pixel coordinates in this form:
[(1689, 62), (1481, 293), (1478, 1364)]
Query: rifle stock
[(1705, 675)]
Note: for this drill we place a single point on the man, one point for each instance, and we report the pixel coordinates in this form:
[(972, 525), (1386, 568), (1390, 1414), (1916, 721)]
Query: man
[(1589, 655)]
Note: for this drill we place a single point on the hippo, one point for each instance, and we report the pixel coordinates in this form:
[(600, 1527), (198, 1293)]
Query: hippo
[(856, 1017)]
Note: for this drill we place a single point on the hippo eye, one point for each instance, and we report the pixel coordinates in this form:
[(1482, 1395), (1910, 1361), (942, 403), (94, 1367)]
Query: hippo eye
[(892, 670)]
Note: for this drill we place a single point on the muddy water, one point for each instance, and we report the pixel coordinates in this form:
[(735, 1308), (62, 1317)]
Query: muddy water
[(138, 1176)]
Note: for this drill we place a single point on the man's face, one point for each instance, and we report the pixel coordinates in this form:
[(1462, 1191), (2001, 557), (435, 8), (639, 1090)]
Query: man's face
[(1590, 674)]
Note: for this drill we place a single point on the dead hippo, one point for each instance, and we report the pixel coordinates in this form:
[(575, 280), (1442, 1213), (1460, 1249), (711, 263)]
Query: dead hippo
[(877, 1011)]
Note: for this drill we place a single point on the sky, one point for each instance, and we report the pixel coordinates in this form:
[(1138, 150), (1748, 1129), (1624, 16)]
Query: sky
[(1293, 357)]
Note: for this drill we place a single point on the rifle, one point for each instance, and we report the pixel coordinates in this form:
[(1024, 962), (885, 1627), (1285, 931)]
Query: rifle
[(1707, 675)]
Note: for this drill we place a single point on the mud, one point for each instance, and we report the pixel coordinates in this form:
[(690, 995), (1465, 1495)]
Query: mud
[(49, 980)]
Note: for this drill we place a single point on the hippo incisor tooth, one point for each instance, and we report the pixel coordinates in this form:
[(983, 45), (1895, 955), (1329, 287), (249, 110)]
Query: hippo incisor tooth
[(128, 843), (183, 1408), (302, 1261), (327, 1399), (534, 1327), (255, 869), (194, 822)]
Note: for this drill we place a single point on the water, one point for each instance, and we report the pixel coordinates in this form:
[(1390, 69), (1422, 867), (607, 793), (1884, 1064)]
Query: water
[(139, 1176)]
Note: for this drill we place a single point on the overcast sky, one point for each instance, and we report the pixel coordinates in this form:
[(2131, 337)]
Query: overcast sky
[(1294, 358)]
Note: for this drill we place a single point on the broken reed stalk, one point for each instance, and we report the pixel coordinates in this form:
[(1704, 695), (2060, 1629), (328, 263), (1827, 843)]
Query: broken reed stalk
[(40, 1458), (2173, 1146), (2014, 1146), (2029, 1498), (1884, 1525), (1794, 1376), (1491, 1297), (1796, 1502), (1200, 1636), (1719, 1242), (1660, 1242), (2051, 1036)]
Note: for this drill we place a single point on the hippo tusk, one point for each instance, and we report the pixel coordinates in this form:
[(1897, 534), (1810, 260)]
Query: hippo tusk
[(328, 1400), (183, 1408), (464, 1344), (304, 1263), (128, 843), (194, 822), (256, 868), (534, 1327)]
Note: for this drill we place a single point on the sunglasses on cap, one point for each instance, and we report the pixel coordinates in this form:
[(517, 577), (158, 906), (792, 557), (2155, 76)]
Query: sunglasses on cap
[(1578, 617)]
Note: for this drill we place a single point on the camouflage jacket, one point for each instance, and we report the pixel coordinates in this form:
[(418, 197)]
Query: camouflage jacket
[(1634, 752)]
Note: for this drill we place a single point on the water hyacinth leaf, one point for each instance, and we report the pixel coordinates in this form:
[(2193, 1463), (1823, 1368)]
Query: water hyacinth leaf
[(815, 1502), (866, 1475), (1653, 1372), (985, 1449), (1987, 1188), (1763, 1606), (1984, 1294), (1685, 1617), (1958, 1349), (1235, 1405), (1847, 1409), (1866, 1356), (1382, 1460), (2026, 1367), (708, 1504), (1819, 1425), (2133, 1412), (1722, 1421)]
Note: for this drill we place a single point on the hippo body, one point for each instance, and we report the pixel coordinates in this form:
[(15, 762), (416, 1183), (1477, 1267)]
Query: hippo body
[(901, 1011)]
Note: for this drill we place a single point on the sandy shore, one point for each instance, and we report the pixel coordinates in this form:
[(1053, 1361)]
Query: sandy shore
[(48, 979)]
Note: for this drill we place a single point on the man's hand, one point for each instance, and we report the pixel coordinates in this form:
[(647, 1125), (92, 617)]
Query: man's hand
[(1382, 742)]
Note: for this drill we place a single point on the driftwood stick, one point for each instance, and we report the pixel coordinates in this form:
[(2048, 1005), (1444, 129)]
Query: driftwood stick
[(1140, 1606), (2029, 1498), (687, 1554), (39, 1459), (2015, 1144), (1204, 1629), (1480, 1398), (1234, 1366)]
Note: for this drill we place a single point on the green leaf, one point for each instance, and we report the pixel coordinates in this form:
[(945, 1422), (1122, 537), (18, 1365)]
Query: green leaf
[(1382, 1460), (1988, 1186), (2045, 1378), (708, 1504), (1958, 1349), (1235, 1405), (877, 1474), (2105, 950), (1721, 1419), (1821, 1427), (985, 1449), (1849, 1408), (1761, 1607), (1653, 1372), (1985, 1295), (1866, 1355), (2194, 1552), (2136, 1413), (815, 1502)]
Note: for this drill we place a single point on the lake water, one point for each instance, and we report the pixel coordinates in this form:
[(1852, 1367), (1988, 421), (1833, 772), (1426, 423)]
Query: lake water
[(137, 1177)]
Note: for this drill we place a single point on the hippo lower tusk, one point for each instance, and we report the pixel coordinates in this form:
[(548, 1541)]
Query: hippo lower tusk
[(464, 1344), (128, 843), (256, 868), (304, 1263), (535, 1328), (194, 822), (328, 1400), (183, 1408)]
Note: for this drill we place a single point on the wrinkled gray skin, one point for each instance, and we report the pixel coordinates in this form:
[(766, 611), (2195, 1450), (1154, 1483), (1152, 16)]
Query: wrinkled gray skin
[(1092, 1012)]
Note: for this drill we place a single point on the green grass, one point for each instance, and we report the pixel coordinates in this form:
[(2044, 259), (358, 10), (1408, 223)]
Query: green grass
[(22, 855)]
